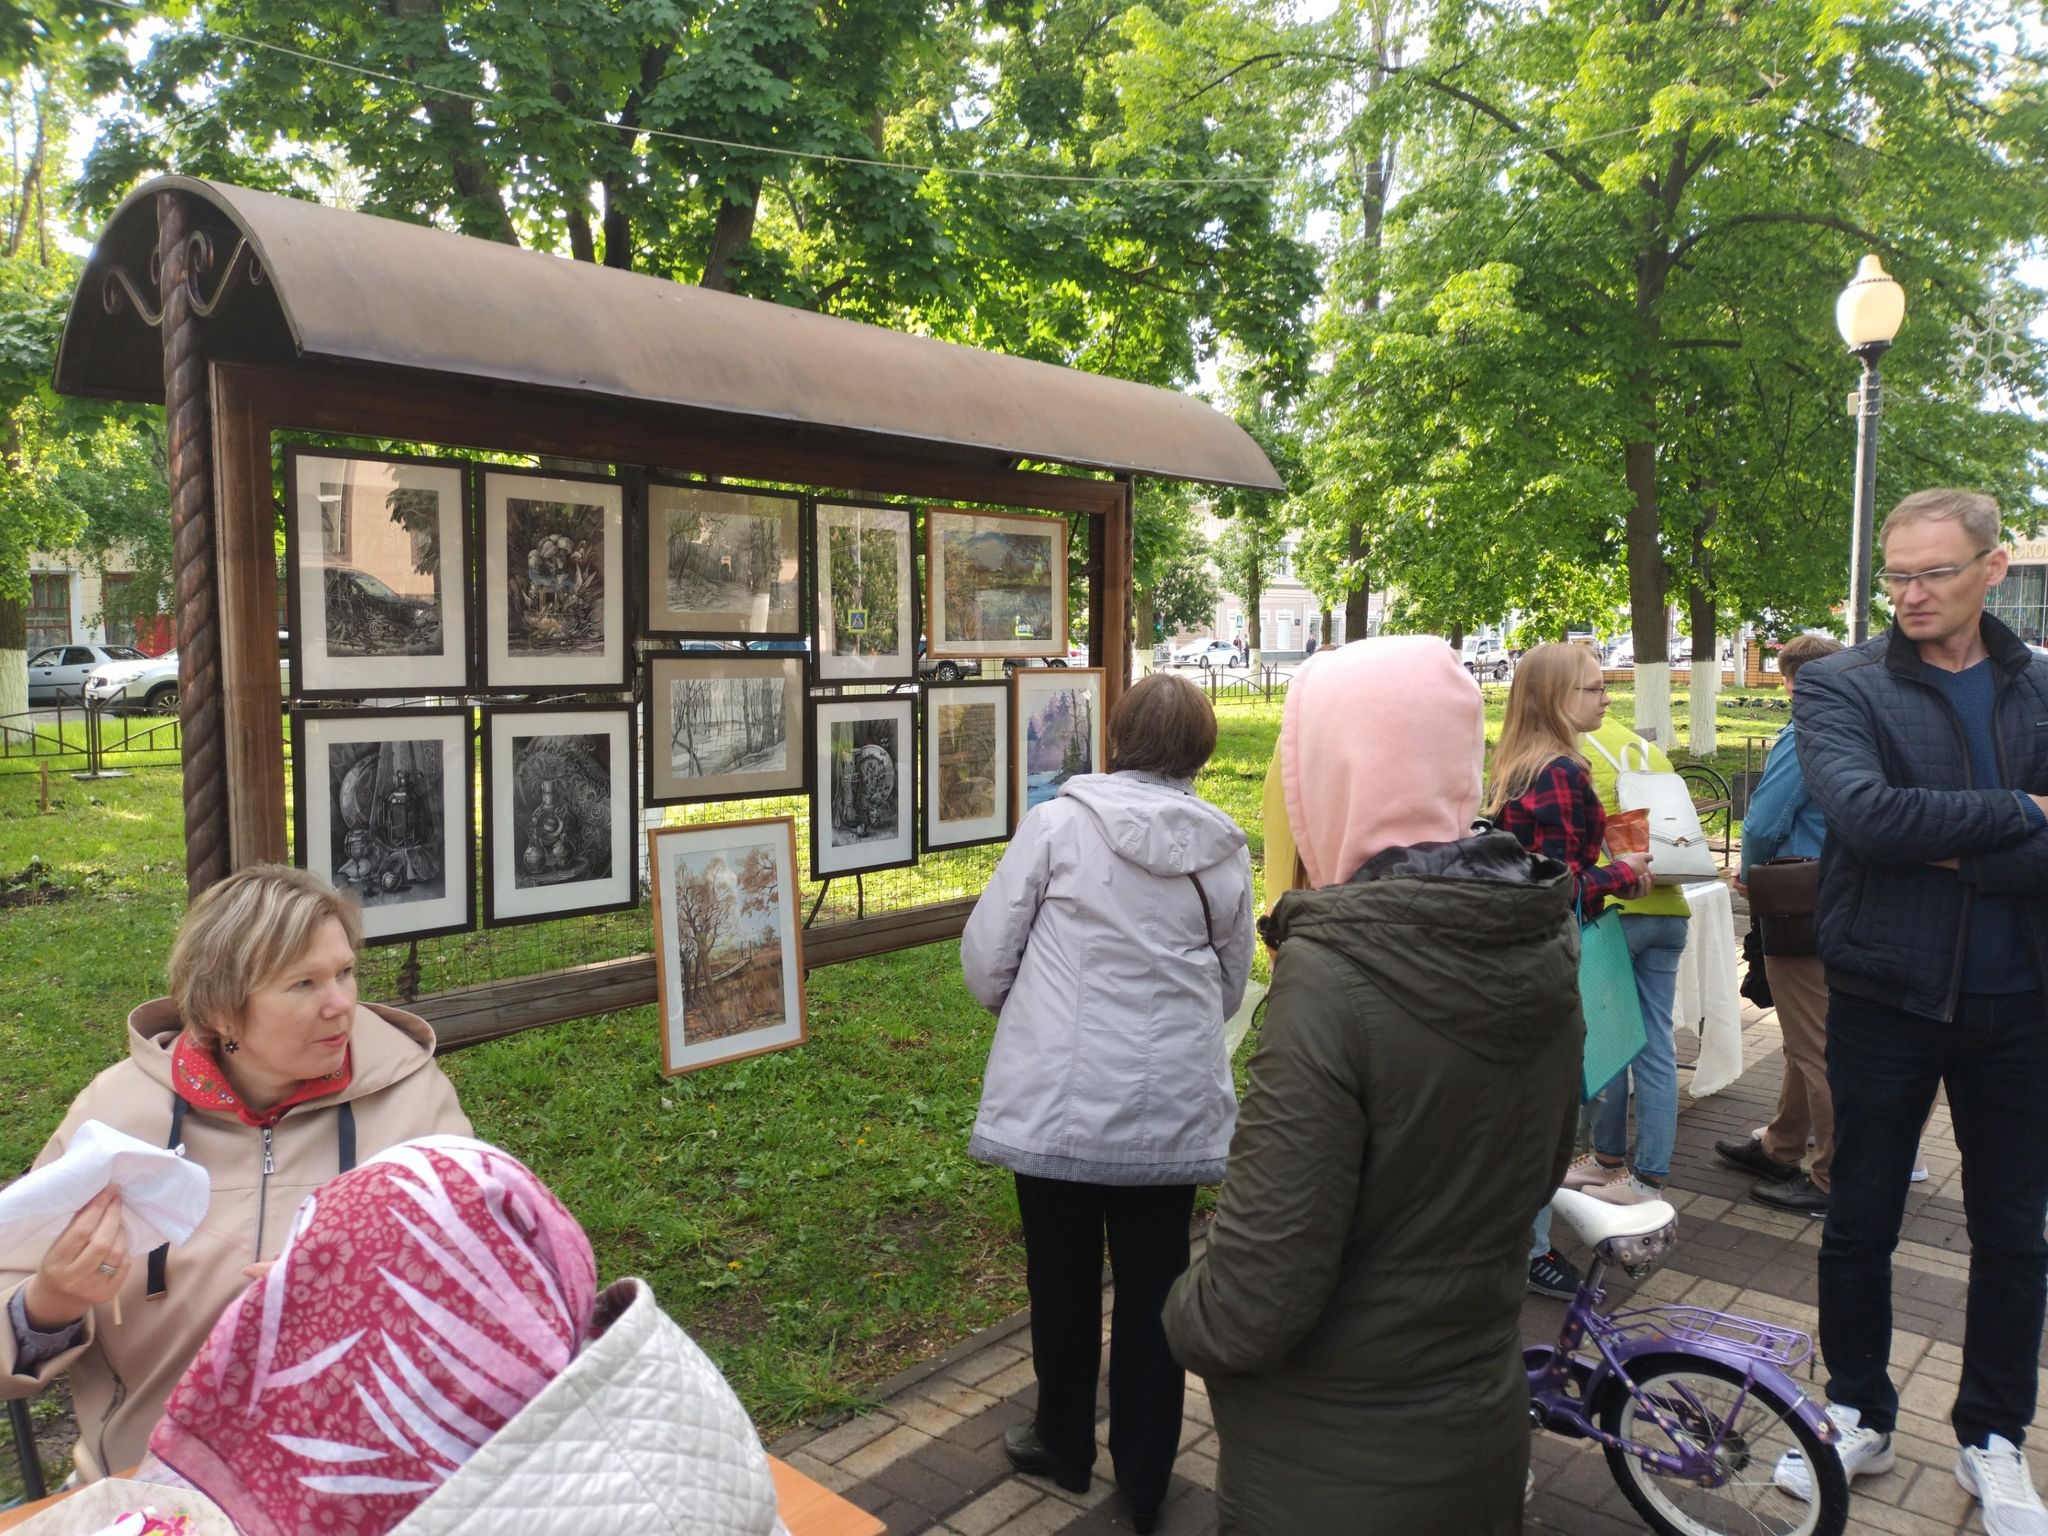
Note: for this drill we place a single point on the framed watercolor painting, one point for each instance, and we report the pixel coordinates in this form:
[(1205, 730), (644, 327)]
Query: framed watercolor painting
[(721, 726), (552, 583), (997, 584), (1056, 731), (722, 561), (966, 764), (382, 809), (864, 607), (728, 952), (863, 785), (377, 567), (558, 811)]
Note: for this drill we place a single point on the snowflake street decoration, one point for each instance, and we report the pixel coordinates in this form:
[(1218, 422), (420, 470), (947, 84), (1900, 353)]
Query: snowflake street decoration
[(1994, 347)]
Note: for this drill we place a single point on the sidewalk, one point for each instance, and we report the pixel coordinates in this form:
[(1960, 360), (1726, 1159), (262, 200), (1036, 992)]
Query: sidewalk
[(931, 1458)]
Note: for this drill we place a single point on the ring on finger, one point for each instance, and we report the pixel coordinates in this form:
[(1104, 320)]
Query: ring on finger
[(109, 1269)]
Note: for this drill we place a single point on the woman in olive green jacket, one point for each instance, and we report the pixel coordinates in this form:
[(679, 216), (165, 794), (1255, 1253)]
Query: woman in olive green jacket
[(1411, 1107)]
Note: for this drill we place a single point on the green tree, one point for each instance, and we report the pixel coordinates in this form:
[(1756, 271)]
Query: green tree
[(1578, 341)]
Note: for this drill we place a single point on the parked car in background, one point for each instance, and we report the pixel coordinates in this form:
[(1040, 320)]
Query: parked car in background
[(1206, 653), (150, 685), (57, 673), (949, 670), (1486, 658)]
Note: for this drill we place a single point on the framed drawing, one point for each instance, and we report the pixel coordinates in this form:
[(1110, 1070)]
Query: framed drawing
[(382, 810), (553, 582), (377, 567), (1056, 730), (724, 727), (864, 609), (728, 954), (558, 811), (998, 584), (863, 785), (966, 764), (722, 561)]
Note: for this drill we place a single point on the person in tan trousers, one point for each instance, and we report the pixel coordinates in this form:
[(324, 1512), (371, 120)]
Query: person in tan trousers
[(1783, 822)]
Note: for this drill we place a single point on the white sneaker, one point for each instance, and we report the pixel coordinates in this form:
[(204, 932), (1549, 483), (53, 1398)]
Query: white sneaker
[(1996, 1476), (1628, 1191), (1589, 1174), (1864, 1453)]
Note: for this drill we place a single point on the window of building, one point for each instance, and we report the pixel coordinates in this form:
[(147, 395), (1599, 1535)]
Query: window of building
[(49, 608), (2020, 602)]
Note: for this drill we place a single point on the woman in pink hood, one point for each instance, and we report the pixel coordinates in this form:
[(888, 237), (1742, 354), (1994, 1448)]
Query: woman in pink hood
[(1411, 1106)]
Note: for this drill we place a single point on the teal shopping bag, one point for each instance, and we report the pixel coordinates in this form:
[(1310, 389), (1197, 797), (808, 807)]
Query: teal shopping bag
[(1607, 991)]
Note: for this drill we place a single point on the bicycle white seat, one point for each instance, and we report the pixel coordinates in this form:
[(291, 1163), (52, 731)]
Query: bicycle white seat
[(1596, 1221)]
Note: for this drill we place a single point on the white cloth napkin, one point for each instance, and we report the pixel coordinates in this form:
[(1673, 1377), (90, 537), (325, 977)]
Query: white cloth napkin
[(163, 1196)]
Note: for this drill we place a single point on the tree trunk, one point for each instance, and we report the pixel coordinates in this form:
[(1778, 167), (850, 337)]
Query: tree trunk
[(618, 231), (582, 245), (1706, 644), (1358, 601), (1252, 625), (1648, 621), (13, 656), (731, 237), (1145, 618)]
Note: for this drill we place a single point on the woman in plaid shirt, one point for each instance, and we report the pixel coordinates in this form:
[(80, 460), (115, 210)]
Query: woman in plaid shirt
[(1543, 792)]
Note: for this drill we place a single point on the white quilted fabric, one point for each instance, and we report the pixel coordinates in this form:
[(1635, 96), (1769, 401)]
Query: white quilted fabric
[(640, 1433)]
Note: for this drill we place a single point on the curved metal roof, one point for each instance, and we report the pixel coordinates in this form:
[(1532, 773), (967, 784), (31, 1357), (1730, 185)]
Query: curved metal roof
[(335, 286)]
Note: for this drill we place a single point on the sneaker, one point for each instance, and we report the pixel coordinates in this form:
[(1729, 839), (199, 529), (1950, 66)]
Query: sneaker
[(1589, 1173), (1918, 1175), (1552, 1275), (1628, 1191), (1996, 1476), (1864, 1453)]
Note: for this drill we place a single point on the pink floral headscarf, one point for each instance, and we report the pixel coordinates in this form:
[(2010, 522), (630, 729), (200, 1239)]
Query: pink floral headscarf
[(421, 1302)]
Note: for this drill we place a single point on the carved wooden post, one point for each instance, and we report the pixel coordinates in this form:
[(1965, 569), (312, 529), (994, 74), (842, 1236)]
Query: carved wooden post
[(188, 430)]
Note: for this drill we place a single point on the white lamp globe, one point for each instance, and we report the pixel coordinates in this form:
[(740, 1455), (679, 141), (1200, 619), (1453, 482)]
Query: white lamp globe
[(1871, 308)]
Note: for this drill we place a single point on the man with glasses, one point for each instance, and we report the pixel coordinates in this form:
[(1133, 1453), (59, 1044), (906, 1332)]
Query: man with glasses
[(1926, 749)]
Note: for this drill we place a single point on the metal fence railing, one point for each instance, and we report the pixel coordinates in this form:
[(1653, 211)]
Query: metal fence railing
[(88, 739)]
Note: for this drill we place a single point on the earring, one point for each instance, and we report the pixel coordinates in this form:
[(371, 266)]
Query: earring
[(229, 1046)]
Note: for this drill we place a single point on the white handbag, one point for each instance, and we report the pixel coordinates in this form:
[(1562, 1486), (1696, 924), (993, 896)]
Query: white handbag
[(1679, 851)]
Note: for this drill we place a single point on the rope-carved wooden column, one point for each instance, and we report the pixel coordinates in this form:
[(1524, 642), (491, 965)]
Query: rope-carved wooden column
[(188, 428)]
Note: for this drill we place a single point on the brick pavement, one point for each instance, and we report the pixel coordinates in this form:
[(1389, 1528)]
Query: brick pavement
[(930, 1456)]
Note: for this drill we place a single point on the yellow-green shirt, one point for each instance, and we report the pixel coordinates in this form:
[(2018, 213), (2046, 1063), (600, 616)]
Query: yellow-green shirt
[(1663, 900)]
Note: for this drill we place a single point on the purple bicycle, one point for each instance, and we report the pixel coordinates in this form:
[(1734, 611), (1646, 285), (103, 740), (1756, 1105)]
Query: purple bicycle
[(1695, 1408)]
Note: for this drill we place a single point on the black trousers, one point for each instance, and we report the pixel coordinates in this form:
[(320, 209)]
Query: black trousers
[(1883, 1067), (1147, 1226)]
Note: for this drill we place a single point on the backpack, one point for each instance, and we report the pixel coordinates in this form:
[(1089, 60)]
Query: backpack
[(1679, 851)]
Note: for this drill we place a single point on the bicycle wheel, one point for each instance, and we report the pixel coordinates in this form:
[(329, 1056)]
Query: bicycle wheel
[(1702, 1399)]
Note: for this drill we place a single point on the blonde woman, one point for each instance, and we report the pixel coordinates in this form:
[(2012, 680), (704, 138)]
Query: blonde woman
[(1542, 791), (270, 1074)]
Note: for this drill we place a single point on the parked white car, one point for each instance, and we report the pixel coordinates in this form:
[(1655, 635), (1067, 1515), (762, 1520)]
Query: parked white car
[(1486, 658), (57, 673), (151, 685), (1206, 653)]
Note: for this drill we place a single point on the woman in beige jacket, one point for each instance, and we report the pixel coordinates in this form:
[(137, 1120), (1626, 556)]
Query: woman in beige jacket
[(272, 1076)]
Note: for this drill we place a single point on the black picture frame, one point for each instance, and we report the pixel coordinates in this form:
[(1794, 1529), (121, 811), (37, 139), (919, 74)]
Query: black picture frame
[(999, 825), (822, 615), (661, 786), (314, 674), (900, 849), (507, 907), (498, 670), (386, 832), (661, 618)]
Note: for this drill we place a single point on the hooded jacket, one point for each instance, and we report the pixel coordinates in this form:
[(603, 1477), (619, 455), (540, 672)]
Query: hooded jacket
[(121, 1377), (1111, 979), (1411, 1107)]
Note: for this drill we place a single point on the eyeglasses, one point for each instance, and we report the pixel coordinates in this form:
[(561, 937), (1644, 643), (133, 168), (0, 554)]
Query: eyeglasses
[(1939, 576)]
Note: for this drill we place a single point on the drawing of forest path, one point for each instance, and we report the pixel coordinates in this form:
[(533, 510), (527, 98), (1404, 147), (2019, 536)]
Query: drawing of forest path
[(727, 942), (726, 725), (729, 563)]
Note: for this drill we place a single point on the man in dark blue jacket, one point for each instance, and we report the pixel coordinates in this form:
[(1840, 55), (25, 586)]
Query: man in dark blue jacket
[(1926, 749)]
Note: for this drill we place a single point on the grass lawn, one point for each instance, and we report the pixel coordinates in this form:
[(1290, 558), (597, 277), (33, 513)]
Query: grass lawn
[(811, 1216)]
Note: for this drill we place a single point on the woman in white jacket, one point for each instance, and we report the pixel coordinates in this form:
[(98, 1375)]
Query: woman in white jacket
[(1113, 941)]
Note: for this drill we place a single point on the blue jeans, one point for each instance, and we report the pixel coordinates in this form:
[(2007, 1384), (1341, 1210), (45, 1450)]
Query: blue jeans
[(1883, 1067), (1654, 944)]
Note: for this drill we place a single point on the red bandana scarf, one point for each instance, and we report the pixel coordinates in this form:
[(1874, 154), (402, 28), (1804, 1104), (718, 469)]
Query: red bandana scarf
[(420, 1303), (200, 1082)]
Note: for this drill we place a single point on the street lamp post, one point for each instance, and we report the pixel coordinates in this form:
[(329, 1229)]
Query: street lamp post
[(1868, 315)]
